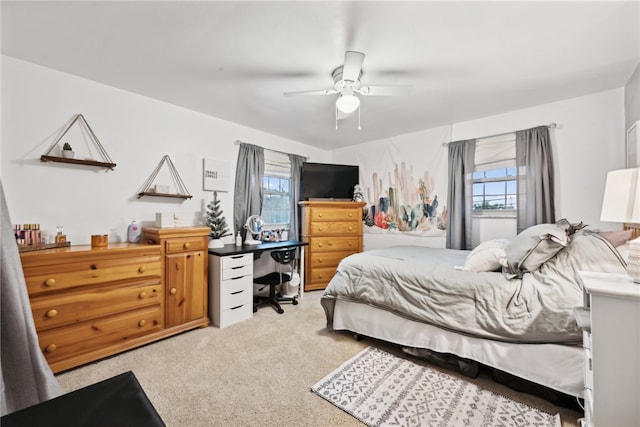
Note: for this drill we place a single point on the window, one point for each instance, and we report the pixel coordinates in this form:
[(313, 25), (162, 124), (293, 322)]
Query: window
[(495, 177), (495, 190), (276, 185), (276, 204)]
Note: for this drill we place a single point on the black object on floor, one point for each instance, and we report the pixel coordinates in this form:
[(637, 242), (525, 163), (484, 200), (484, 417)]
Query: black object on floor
[(117, 401)]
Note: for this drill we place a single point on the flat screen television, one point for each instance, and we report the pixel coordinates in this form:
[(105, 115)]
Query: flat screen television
[(328, 181)]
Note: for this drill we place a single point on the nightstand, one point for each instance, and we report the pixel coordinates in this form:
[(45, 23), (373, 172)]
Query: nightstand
[(611, 324)]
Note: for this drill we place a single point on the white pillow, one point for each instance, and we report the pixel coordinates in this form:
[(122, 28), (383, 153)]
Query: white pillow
[(487, 256)]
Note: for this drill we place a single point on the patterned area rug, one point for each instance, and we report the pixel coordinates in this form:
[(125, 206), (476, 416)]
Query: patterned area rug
[(381, 389)]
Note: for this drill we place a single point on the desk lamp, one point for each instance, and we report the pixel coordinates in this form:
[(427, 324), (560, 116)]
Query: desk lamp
[(621, 203)]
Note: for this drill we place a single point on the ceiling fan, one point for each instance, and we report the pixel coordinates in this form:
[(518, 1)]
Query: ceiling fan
[(347, 85)]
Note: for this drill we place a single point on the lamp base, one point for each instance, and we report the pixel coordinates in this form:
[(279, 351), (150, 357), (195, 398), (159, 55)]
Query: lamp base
[(633, 263)]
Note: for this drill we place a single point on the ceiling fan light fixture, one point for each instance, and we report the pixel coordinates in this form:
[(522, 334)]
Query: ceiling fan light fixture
[(347, 103)]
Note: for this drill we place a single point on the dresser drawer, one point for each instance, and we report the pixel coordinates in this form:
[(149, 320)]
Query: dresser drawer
[(333, 214), (235, 292), (322, 275), (48, 278), (185, 244), (349, 243), (60, 343), (74, 307), (328, 259), (323, 228)]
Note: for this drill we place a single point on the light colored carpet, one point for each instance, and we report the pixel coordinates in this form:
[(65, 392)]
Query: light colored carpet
[(382, 389), (255, 373)]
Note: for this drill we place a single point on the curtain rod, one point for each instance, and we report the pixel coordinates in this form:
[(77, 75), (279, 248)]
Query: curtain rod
[(550, 126), (238, 142)]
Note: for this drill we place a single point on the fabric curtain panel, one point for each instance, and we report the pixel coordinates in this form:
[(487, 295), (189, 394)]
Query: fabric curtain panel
[(460, 195), (248, 188), (534, 161), (25, 373), (296, 167)]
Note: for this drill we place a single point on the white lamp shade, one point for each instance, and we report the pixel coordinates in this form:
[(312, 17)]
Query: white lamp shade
[(347, 103), (621, 202)]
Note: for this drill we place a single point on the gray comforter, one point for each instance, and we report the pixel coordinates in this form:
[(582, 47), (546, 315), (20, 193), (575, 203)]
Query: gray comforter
[(421, 284)]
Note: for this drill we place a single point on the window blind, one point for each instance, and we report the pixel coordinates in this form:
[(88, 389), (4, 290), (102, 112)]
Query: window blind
[(495, 152), (276, 164)]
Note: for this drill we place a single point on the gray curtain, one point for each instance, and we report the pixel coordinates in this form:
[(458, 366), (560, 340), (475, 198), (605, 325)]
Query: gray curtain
[(248, 189), (25, 373), (535, 177), (460, 195), (296, 167)]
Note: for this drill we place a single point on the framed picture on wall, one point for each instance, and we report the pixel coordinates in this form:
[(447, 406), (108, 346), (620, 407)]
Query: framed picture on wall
[(633, 149), (216, 175)]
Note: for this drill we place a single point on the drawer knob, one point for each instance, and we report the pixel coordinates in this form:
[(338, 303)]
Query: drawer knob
[(350, 214), (49, 282), (50, 348), (319, 228), (142, 323), (187, 245), (350, 243), (142, 269), (52, 313), (319, 215), (142, 295), (350, 228), (173, 291), (319, 245)]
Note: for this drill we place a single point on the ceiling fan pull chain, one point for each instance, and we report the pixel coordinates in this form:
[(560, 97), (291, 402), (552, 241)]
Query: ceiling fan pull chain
[(336, 118), (359, 127)]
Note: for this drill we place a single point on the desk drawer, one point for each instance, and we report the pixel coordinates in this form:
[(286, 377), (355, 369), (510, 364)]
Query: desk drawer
[(236, 292), (237, 272), (236, 314), (232, 261)]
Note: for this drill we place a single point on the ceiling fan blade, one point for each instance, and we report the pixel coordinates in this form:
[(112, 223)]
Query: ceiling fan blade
[(384, 90), (311, 92), (352, 65)]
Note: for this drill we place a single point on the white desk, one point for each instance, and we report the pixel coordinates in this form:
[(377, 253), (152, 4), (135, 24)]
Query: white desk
[(231, 279)]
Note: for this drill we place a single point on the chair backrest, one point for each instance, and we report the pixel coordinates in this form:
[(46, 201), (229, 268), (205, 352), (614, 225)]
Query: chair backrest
[(284, 256)]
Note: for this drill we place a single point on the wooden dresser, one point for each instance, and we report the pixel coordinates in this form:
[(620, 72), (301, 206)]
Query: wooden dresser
[(91, 303), (333, 230)]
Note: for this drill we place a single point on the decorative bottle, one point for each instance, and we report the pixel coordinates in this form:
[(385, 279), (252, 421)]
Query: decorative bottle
[(238, 239), (133, 232)]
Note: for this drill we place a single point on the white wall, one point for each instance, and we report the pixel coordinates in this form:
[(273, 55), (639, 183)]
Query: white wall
[(588, 142), (135, 131)]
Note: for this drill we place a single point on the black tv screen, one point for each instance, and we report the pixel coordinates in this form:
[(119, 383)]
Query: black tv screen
[(328, 181)]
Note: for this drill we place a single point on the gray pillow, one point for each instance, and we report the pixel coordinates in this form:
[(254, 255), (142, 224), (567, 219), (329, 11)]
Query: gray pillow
[(533, 247)]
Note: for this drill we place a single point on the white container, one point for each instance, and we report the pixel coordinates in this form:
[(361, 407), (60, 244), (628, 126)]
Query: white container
[(165, 219), (134, 232)]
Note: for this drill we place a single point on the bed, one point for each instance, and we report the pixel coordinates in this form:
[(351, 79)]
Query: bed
[(508, 304)]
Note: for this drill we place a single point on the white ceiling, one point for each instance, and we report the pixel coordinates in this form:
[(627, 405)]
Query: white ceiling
[(233, 60)]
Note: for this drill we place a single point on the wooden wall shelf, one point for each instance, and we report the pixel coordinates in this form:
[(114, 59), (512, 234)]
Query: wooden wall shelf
[(77, 161), (177, 196)]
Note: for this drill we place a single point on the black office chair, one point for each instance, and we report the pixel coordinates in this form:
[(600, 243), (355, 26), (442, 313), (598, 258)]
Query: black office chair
[(284, 257)]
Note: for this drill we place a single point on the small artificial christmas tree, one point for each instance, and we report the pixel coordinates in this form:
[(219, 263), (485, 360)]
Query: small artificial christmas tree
[(215, 219)]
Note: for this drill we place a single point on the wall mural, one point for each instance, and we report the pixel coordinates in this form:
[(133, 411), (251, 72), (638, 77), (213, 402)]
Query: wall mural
[(406, 204)]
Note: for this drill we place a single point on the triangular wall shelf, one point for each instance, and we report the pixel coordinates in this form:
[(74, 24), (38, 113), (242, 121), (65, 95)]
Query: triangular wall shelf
[(107, 163), (182, 189)]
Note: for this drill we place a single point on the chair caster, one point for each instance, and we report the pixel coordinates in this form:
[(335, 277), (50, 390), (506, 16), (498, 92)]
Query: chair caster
[(280, 311), (294, 302)]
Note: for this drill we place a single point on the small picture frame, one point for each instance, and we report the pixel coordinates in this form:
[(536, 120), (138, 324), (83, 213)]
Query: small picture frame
[(216, 175), (633, 146)]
